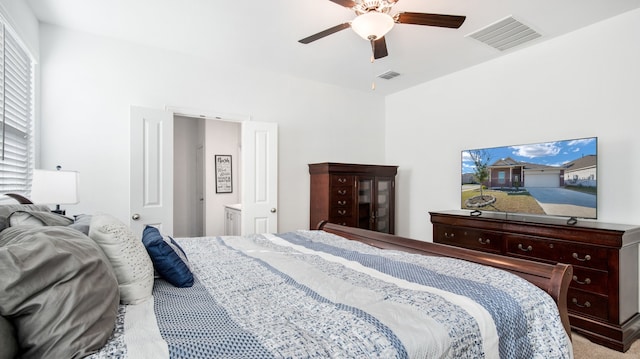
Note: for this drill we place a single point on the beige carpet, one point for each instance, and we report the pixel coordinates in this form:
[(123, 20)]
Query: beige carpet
[(585, 349)]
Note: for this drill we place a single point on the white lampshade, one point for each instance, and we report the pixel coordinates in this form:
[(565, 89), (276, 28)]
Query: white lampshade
[(54, 187), (372, 25)]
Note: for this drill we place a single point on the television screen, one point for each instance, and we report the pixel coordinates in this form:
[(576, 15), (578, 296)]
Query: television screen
[(556, 178)]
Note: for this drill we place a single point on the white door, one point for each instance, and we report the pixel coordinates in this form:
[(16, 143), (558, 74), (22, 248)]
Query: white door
[(259, 177), (151, 187)]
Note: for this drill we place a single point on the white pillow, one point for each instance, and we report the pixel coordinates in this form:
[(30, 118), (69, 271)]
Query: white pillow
[(128, 256)]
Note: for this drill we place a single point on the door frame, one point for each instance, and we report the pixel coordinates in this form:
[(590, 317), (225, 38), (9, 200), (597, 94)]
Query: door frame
[(207, 115), (199, 114)]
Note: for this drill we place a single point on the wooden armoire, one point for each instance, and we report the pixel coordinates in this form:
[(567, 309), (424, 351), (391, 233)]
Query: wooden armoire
[(353, 195)]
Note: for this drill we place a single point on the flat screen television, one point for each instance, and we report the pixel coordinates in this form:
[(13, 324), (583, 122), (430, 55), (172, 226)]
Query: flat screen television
[(556, 178)]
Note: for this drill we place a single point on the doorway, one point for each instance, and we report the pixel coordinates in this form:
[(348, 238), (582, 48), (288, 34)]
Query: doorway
[(198, 207), (151, 190)]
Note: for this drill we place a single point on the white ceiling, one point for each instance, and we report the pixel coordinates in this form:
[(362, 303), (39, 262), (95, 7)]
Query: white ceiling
[(265, 34)]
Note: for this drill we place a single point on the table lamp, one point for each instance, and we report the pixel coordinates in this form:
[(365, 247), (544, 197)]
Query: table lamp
[(54, 187)]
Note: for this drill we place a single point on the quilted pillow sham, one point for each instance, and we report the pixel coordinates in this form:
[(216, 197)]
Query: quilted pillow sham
[(127, 255), (169, 260), (58, 290)]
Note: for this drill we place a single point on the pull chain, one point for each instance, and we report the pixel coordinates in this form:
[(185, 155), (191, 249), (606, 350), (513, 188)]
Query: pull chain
[(373, 78)]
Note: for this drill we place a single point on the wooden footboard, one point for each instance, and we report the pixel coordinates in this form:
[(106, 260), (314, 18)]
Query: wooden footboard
[(553, 279)]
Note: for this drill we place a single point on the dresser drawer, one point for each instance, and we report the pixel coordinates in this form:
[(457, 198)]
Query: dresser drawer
[(341, 202), (341, 193), (532, 248), (342, 180), (591, 280), (343, 221), (341, 212), (557, 251), (468, 238), (586, 256), (588, 303)]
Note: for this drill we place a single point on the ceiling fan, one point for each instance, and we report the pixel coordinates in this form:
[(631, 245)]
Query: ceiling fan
[(374, 21)]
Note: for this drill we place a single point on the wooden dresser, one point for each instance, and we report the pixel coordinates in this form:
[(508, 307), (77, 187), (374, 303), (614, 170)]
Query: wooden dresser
[(353, 195), (603, 296)]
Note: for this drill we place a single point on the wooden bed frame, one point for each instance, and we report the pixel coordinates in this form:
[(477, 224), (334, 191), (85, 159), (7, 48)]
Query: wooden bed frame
[(553, 279)]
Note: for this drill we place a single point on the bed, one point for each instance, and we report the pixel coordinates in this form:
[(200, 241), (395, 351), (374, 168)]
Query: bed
[(333, 292)]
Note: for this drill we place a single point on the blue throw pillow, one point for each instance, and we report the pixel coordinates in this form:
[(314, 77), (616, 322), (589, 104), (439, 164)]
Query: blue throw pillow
[(166, 260)]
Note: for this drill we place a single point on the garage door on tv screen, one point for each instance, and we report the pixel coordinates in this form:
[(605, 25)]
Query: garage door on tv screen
[(555, 178)]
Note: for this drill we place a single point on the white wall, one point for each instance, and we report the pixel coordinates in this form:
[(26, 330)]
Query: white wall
[(586, 83), (89, 83)]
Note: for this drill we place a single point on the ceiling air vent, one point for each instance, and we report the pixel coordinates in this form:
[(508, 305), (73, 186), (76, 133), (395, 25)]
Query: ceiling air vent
[(505, 34), (388, 75)]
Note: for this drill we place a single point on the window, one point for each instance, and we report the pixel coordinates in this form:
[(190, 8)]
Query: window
[(16, 113)]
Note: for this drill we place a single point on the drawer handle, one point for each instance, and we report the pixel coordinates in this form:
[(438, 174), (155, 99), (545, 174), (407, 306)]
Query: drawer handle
[(342, 212), (484, 241), (586, 258), (522, 248), (586, 280), (342, 203), (342, 192), (585, 305), (342, 180), (449, 235)]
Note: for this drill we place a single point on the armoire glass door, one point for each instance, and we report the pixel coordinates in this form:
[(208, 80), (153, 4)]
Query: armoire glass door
[(365, 202), (383, 206)]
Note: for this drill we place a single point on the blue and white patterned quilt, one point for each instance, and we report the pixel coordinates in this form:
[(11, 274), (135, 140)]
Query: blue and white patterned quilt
[(310, 294)]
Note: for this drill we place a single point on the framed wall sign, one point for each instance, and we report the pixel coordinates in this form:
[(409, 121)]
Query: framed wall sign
[(224, 183)]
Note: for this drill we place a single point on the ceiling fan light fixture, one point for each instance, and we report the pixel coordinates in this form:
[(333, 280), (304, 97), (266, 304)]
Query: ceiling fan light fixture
[(372, 25)]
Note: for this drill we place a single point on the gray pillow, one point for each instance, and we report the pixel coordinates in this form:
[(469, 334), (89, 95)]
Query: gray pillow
[(7, 209), (37, 219), (58, 290), (8, 341), (81, 223)]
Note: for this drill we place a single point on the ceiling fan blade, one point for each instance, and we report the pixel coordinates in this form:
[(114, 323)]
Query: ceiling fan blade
[(324, 33), (345, 3), (379, 48), (418, 18)]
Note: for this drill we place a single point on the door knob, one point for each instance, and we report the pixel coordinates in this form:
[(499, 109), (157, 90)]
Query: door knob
[(273, 210), (135, 217)]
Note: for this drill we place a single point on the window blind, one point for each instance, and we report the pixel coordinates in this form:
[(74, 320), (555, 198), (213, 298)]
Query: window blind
[(16, 112)]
